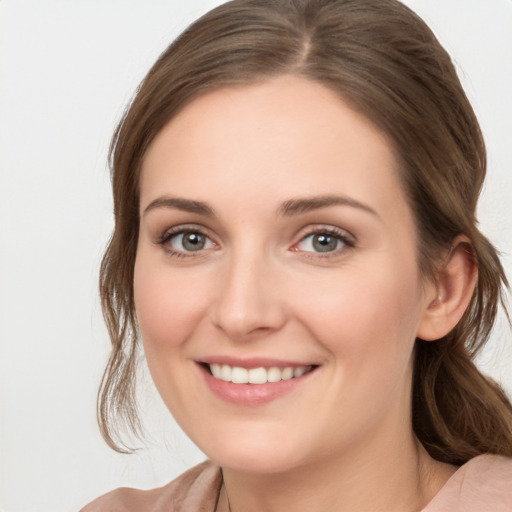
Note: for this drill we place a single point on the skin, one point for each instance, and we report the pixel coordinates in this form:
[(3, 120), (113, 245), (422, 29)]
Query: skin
[(343, 439)]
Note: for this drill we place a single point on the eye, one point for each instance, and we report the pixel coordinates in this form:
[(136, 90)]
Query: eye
[(189, 242), (324, 241), (183, 241)]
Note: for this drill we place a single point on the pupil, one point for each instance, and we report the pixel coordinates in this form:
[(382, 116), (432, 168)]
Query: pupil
[(193, 241), (324, 243)]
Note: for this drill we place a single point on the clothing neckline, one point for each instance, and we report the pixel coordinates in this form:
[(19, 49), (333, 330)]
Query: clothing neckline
[(222, 502)]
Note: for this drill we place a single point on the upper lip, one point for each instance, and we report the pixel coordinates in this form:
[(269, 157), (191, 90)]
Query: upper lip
[(253, 362)]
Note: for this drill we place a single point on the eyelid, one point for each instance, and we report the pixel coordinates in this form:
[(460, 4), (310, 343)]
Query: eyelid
[(348, 239), (164, 239)]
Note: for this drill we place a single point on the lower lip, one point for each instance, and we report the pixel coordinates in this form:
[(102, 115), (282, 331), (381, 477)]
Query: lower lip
[(252, 394)]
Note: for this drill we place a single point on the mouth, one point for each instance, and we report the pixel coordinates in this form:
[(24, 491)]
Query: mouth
[(258, 375), (254, 381)]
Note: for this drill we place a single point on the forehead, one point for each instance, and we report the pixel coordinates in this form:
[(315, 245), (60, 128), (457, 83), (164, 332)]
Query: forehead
[(288, 136)]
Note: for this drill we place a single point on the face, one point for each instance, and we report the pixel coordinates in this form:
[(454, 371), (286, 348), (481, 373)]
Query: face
[(276, 283)]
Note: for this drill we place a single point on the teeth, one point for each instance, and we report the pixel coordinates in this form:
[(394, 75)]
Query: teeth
[(239, 375), (216, 370), (225, 373), (300, 370), (260, 375), (257, 375), (273, 374), (287, 373)]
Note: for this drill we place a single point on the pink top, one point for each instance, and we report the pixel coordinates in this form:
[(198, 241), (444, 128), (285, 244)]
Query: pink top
[(482, 484)]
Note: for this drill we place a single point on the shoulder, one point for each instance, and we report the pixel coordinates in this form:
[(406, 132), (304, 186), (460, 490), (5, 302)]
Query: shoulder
[(196, 490), (483, 483)]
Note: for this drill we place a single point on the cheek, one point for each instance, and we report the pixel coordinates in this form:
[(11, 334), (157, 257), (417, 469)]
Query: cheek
[(168, 308), (374, 308), (165, 306)]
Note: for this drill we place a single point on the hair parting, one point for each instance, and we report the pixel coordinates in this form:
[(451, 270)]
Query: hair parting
[(383, 60)]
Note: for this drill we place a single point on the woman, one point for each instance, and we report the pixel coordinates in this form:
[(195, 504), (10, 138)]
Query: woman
[(295, 186)]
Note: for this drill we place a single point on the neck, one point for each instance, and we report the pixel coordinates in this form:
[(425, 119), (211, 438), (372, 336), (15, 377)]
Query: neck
[(398, 476)]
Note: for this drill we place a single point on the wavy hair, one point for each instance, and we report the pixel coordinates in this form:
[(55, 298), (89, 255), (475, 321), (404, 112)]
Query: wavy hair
[(382, 59)]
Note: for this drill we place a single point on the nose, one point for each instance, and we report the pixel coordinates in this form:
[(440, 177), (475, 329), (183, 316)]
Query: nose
[(248, 301)]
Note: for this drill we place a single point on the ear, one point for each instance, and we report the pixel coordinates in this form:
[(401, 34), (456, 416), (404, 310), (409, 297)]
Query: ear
[(449, 296)]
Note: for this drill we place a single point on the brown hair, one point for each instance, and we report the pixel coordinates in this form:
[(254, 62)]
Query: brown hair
[(382, 59)]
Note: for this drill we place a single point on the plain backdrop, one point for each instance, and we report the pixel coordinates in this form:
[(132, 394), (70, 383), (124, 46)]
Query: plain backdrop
[(67, 70)]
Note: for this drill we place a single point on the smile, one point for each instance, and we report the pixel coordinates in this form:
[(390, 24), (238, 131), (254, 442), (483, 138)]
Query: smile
[(260, 375), (253, 382)]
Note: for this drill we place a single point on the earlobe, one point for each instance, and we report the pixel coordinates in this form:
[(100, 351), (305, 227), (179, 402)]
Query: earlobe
[(456, 279)]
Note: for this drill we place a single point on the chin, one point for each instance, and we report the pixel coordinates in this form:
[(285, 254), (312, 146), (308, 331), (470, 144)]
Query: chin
[(255, 463), (252, 454)]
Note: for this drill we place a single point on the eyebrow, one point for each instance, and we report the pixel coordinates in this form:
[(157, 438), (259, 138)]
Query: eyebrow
[(289, 208), (186, 205), (306, 204)]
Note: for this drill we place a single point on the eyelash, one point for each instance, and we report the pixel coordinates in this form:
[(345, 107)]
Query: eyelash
[(347, 240), (181, 230)]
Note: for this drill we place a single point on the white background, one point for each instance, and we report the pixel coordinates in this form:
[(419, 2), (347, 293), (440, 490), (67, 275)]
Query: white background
[(68, 68)]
